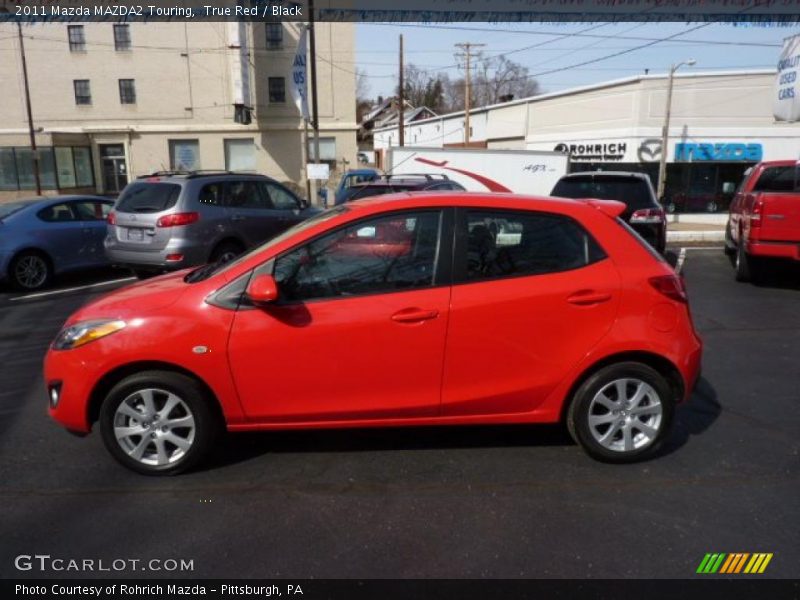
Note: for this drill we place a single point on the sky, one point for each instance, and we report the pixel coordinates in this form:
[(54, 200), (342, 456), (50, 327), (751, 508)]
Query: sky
[(554, 52)]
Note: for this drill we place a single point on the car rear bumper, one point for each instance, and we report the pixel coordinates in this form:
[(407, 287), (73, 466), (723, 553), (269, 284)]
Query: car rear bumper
[(790, 250), (190, 255)]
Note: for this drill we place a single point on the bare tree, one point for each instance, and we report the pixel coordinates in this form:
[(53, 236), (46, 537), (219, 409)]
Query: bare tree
[(421, 88), (493, 80), (363, 101)]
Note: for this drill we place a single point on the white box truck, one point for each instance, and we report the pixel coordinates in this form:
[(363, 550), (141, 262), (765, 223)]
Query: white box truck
[(481, 170)]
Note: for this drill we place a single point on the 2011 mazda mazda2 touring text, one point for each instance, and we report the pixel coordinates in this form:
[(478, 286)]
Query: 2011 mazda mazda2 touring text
[(412, 309)]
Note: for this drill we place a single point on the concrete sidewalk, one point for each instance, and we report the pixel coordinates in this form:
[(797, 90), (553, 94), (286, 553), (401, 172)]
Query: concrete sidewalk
[(696, 228)]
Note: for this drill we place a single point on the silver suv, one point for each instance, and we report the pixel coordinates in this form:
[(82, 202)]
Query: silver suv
[(168, 220)]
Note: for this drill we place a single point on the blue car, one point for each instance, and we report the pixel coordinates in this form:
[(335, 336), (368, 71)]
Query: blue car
[(351, 178), (45, 236)]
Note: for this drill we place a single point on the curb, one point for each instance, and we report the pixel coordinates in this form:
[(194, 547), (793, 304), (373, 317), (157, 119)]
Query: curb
[(695, 236)]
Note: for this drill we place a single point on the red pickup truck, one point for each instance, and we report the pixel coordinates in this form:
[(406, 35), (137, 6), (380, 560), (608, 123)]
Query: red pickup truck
[(764, 220)]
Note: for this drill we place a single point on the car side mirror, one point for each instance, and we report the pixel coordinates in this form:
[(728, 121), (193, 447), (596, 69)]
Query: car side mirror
[(263, 289)]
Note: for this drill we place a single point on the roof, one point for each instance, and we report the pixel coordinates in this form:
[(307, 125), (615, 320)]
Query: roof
[(637, 175), (591, 88)]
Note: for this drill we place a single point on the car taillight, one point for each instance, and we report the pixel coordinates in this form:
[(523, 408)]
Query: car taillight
[(648, 215), (672, 286), (755, 214), (178, 219), (112, 218)]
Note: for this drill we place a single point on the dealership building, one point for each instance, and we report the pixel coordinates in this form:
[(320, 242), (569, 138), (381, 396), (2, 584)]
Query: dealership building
[(721, 124)]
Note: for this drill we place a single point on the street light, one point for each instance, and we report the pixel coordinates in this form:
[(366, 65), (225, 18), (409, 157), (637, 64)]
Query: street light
[(662, 167)]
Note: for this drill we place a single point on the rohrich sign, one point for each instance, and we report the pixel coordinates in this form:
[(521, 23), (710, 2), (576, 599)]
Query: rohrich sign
[(718, 152), (613, 151)]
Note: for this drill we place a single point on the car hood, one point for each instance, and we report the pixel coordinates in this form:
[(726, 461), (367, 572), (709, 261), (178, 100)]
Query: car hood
[(137, 299)]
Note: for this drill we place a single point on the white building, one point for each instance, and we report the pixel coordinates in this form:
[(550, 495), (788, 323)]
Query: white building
[(721, 124)]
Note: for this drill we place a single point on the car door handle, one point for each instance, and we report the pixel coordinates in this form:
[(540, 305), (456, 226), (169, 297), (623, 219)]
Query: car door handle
[(414, 315), (588, 297)]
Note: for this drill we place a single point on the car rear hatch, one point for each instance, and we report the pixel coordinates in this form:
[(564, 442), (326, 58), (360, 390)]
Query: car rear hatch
[(139, 216)]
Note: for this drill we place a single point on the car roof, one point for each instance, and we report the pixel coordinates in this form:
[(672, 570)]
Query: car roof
[(402, 200), (180, 176), (45, 200), (601, 174)]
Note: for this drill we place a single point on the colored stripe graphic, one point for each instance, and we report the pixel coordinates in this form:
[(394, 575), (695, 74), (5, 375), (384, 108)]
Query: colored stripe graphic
[(733, 563)]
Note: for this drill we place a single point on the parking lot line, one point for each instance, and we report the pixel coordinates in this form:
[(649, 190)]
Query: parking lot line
[(681, 258), (72, 289)]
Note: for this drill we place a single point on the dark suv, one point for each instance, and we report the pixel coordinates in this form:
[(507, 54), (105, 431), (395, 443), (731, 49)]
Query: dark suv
[(644, 213), (169, 220), (389, 184)]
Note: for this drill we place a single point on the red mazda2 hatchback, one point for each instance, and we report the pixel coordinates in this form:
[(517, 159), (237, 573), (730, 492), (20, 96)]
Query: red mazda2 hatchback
[(410, 309)]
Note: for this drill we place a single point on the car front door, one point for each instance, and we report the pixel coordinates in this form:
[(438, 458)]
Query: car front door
[(532, 293), (359, 329)]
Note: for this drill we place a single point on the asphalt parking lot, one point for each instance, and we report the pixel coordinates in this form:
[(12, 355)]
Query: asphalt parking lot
[(499, 502)]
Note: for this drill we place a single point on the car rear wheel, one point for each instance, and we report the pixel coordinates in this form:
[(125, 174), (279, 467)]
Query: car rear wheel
[(226, 252), (622, 413), (744, 264), (730, 247), (30, 271), (158, 422)]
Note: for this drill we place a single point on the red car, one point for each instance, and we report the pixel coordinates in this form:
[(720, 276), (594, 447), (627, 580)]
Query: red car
[(466, 309), (764, 220)]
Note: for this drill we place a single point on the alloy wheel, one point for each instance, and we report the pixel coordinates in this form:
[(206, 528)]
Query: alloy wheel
[(30, 271), (154, 427), (625, 415)]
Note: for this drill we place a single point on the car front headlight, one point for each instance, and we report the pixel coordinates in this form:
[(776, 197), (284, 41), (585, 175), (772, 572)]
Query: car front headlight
[(84, 332)]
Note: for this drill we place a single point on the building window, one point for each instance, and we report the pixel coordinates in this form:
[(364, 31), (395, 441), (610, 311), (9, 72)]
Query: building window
[(83, 95), (127, 91), (277, 89), (240, 155), (77, 40), (184, 155), (122, 37), (16, 168), (327, 150), (274, 36)]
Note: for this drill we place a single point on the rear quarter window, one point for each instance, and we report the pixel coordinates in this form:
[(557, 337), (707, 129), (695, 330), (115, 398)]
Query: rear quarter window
[(148, 197), (777, 179)]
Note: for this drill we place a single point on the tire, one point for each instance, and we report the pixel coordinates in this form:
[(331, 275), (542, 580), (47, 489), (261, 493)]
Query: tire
[(609, 430), (30, 271), (730, 247), (743, 263), (671, 207), (711, 206), (186, 433), (226, 251)]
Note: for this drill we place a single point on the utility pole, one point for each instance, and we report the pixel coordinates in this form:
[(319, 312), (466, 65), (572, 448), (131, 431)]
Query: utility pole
[(662, 165), (34, 152), (467, 48), (314, 108), (401, 138)]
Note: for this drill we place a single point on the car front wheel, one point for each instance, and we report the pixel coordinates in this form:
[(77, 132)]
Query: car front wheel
[(158, 422), (622, 413)]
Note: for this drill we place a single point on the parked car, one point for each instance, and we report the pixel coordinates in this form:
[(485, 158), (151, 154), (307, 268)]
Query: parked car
[(390, 184), (354, 177), (682, 202), (572, 318), (642, 212), (764, 219), (168, 221), (43, 237)]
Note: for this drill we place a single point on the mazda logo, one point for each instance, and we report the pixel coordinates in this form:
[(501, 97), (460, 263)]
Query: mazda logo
[(649, 150)]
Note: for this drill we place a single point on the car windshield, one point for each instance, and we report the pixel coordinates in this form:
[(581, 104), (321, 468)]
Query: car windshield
[(148, 197), (206, 271), (634, 192), (9, 208)]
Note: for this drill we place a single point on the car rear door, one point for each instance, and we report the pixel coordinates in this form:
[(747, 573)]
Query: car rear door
[(359, 329), (250, 212), (92, 213), (286, 207), (532, 294)]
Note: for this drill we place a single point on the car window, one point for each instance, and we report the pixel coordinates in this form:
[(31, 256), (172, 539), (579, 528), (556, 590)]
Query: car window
[(633, 191), (148, 197), (777, 179), (509, 244), (246, 194), (281, 198), (91, 210), (386, 254), (211, 194), (56, 213)]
